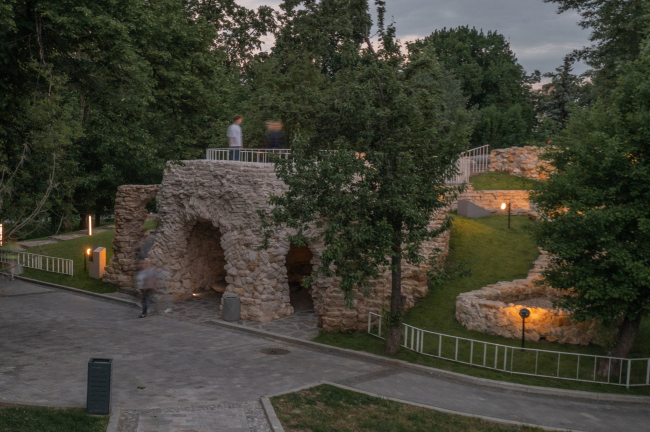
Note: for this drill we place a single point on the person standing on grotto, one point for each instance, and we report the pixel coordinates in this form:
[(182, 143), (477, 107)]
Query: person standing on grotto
[(235, 140)]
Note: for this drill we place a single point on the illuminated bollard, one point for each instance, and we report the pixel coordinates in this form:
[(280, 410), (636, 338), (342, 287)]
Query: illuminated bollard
[(97, 263)]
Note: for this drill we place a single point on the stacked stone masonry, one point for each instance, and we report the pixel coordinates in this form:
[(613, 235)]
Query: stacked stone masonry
[(206, 204), (130, 215), (495, 308), (519, 161), (491, 201)]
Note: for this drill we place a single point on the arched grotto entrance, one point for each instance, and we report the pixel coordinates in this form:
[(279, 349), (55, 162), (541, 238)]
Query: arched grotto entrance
[(206, 258), (298, 263)]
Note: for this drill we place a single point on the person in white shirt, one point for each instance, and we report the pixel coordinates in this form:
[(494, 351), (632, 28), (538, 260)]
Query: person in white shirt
[(235, 138)]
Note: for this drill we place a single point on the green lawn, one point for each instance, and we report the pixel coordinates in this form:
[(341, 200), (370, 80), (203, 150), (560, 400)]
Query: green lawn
[(492, 253), (327, 408), (74, 249), (36, 419), (500, 181)]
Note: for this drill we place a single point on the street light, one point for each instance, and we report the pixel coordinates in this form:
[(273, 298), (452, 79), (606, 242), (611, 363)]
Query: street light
[(523, 313), (503, 207)]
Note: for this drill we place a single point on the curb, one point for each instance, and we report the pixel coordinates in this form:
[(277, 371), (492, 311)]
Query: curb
[(98, 296), (276, 426), (441, 373), (373, 358), (114, 420), (274, 422)]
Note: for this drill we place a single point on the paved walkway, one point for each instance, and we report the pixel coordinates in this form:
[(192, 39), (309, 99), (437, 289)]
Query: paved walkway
[(26, 244), (203, 308), (174, 375)]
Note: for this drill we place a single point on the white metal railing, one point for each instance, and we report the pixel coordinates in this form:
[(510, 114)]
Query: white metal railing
[(628, 372), (39, 262), (471, 162), (247, 154)]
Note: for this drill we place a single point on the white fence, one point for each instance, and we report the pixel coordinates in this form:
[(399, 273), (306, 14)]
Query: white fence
[(247, 154), (38, 262), (471, 162), (522, 361)]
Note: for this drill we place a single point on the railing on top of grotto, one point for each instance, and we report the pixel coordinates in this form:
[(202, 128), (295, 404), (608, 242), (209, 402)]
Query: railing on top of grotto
[(628, 372), (471, 162)]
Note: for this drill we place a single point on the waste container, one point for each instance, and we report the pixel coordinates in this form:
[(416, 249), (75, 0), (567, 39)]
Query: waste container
[(98, 396), (231, 307)]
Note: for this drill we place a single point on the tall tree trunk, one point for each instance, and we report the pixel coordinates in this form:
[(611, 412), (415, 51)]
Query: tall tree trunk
[(396, 307), (98, 216), (626, 336)]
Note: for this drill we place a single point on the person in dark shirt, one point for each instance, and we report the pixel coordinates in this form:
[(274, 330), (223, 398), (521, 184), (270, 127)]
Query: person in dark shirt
[(274, 136)]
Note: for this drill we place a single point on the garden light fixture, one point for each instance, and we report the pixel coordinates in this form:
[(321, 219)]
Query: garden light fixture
[(523, 313), (90, 225), (503, 207), (0, 234), (87, 255)]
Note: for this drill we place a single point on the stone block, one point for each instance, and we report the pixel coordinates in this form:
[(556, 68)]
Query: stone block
[(471, 210)]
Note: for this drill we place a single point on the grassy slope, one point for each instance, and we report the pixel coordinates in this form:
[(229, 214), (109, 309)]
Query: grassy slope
[(493, 253), (35, 419), (328, 408), (500, 181), (74, 249)]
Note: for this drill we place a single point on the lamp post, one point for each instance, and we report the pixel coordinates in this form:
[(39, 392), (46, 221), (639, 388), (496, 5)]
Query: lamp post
[(523, 313), (90, 225), (87, 253), (503, 207)]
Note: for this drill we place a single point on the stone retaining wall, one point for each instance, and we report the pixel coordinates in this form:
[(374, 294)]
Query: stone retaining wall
[(130, 215), (221, 199), (491, 201), (495, 308), (519, 161)]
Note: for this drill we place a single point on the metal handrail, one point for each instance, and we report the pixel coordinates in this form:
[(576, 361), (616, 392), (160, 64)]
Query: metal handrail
[(39, 262), (247, 154), (504, 357)]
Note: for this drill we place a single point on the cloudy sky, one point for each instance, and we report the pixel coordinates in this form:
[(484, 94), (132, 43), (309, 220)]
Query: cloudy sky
[(538, 35)]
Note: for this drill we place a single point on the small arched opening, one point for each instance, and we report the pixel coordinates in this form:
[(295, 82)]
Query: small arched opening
[(298, 263), (206, 258)]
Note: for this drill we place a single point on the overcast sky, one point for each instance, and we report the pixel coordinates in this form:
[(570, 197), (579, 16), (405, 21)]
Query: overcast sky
[(539, 36)]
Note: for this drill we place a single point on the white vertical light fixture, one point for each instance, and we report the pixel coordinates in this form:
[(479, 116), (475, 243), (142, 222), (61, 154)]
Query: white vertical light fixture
[(90, 225), (0, 234)]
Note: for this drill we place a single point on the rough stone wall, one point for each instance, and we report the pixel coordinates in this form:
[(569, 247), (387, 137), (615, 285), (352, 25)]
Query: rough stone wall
[(519, 161), (336, 318), (130, 215), (223, 197), (495, 308), (491, 201)]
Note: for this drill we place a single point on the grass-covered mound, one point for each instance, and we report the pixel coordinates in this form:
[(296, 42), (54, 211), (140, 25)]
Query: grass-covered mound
[(500, 181), (74, 249), (492, 253)]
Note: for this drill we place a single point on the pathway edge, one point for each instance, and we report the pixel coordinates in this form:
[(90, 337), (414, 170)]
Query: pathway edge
[(271, 416), (483, 382)]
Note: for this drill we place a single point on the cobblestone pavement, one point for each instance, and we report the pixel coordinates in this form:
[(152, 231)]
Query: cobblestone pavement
[(164, 369), (227, 417), (204, 308)]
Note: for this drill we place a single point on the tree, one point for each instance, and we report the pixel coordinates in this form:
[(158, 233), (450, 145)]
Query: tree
[(371, 160), (492, 80), (618, 28), (131, 85), (560, 95), (596, 208)]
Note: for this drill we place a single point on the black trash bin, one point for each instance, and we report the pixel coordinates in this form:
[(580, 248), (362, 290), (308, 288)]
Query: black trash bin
[(98, 397)]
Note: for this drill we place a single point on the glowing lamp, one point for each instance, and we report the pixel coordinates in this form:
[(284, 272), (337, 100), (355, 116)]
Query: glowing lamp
[(0, 234), (523, 313), (90, 225), (503, 206)]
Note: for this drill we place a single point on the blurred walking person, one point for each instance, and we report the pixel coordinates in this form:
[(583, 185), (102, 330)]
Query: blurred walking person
[(235, 140), (148, 278), (274, 136)]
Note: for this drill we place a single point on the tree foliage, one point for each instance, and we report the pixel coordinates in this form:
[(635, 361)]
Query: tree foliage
[(492, 81), (116, 89), (596, 207), (618, 28), (372, 158)]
